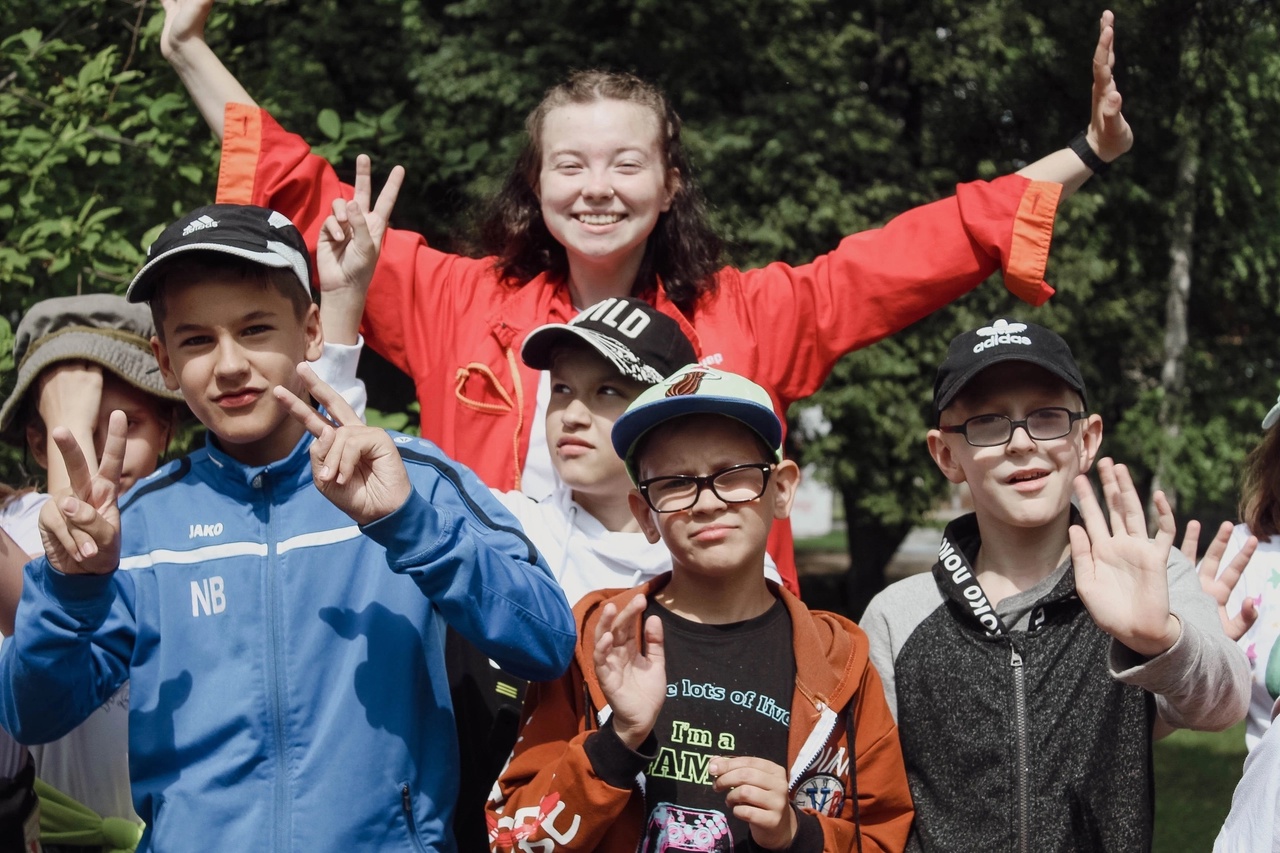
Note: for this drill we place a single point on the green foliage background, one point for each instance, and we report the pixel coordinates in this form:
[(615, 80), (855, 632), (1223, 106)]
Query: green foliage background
[(807, 119)]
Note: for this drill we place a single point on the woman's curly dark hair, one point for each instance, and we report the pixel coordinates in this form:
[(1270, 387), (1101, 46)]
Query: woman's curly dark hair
[(1260, 487), (683, 252)]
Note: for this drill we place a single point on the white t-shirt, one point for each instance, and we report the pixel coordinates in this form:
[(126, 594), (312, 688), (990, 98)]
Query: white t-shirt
[(18, 519), (1260, 581), (538, 478), (90, 763)]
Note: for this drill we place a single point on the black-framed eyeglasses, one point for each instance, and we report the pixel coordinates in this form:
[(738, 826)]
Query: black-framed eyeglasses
[(736, 484), (994, 430)]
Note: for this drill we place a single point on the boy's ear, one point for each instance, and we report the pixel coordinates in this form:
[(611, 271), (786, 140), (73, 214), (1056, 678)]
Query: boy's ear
[(1090, 441), (161, 352), (314, 332), (943, 457), (644, 516), (38, 443), (785, 481)]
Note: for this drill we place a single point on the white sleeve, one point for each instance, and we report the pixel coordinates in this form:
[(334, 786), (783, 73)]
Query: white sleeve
[(337, 368), (1251, 825)]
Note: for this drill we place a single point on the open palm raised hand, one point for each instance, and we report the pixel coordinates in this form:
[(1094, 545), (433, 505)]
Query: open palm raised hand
[(634, 680), (1121, 574), (357, 467), (1109, 133), (1220, 582)]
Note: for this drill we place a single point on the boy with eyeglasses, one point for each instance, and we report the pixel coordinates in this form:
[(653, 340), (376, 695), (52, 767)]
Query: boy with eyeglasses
[(1028, 671), (708, 709)]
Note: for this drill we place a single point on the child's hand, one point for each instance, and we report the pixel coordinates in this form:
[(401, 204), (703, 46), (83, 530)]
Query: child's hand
[(347, 253), (1121, 575), (184, 21), (80, 527), (1108, 134), (68, 395), (356, 467), (634, 682), (1218, 586), (757, 791)]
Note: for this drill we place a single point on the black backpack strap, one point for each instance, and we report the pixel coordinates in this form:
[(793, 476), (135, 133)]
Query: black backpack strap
[(853, 770)]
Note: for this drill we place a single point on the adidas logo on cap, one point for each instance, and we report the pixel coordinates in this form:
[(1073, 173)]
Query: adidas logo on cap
[(199, 225), (1001, 332)]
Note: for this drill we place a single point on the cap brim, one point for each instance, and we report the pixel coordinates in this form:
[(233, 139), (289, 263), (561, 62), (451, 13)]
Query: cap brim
[(960, 380), (541, 343), (142, 288), (1272, 416), (632, 425)]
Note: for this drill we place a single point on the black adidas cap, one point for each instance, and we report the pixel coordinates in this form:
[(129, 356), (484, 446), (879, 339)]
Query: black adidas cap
[(638, 339), (254, 233), (972, 352)]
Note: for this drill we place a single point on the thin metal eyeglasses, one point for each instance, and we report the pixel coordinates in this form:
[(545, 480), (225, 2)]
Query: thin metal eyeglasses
[(994, 430), (737, 484)]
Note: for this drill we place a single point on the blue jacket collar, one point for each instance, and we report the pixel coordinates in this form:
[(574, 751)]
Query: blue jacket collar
[(288, 474)]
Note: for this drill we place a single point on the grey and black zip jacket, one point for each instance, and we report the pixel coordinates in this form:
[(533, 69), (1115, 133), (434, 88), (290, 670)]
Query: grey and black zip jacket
[(1035, 735)]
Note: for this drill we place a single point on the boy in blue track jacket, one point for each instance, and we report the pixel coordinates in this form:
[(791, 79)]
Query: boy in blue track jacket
[(275, 597)]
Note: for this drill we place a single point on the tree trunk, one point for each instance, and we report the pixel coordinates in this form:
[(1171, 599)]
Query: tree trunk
[(1172, 372), (872, 545)]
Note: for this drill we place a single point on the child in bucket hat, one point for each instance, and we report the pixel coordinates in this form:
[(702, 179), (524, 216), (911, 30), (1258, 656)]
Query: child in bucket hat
[(77, 359), (708, 703), (1053, 643)]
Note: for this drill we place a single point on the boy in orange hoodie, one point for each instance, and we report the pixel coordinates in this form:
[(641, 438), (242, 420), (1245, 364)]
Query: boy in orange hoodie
[(708, 709)]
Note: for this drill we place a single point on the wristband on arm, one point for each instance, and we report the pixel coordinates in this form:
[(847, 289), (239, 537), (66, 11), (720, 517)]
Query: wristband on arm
[(1080, 144)]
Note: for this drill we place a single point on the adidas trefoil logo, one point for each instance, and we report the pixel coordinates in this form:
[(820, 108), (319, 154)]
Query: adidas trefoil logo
[(200, 224), (1001, 332)]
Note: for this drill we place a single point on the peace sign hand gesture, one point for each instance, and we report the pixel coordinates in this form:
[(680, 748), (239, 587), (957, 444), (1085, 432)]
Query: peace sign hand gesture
[(1122, 576), (357, 467), (348, 249), (80, 527)]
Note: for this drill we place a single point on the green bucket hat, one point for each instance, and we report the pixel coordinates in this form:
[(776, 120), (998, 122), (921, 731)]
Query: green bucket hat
[(99, 328)]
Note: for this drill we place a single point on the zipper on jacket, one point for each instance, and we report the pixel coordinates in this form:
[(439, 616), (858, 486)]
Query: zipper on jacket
[(275, 666), (1024, 768), (406, 802)]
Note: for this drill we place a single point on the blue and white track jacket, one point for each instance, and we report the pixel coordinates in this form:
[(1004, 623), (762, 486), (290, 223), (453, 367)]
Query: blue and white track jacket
[(288, 688)]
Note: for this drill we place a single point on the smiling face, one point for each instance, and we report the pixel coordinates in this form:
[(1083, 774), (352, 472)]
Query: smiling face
[(603, 183), (587, 396), (226, 343), (712, 538), (1026, 483)]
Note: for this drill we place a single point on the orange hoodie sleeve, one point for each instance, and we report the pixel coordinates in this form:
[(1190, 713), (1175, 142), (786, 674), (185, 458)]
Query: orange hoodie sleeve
[(550, 789), (877, 282)]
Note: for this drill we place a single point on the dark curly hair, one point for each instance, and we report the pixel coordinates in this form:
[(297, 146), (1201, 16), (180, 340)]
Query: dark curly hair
[(683, 252), (1260, 487)]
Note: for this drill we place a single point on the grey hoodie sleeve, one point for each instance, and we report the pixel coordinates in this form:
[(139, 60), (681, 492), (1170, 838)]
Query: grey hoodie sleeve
[(1202, 682), (890, 620), (875, 625)]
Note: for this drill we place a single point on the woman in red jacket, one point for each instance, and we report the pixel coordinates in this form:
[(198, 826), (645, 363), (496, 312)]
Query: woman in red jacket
[(600, 204)]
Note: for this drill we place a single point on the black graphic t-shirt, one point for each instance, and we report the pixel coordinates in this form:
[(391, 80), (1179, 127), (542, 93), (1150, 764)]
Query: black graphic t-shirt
[(728, 693)]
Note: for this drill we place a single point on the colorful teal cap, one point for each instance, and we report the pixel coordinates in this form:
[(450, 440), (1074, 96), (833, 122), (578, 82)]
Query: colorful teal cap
[(697, 390)]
